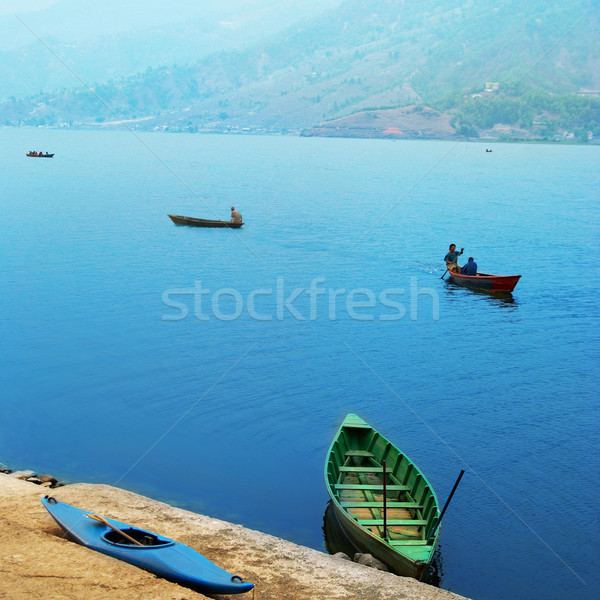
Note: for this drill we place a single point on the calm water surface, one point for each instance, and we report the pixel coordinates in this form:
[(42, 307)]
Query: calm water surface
[(230, 410)]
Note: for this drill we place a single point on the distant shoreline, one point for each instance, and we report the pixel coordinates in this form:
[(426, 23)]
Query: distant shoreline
[(260, 132)]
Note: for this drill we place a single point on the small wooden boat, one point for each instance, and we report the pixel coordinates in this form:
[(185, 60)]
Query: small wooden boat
[(179, 220), (381, 500), (155, 553), (39, 155), (483, 281)]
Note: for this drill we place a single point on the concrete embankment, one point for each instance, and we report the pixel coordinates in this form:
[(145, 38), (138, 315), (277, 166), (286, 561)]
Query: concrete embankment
[(36, 561)]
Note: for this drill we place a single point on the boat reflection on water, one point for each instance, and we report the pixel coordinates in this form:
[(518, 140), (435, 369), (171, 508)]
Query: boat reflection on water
[(495, 298), (337, 541)]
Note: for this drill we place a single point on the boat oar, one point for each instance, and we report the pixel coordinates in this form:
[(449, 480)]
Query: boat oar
[(126, 536), (384, 501), (438, 522), (442, 277)]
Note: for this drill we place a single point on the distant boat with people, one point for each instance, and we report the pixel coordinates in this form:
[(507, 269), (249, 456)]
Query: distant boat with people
[(193, 222), (33, 154)]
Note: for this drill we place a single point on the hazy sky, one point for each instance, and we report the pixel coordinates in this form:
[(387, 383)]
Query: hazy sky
[(103, 39), (8, 7), (74, 20), (24, 6)]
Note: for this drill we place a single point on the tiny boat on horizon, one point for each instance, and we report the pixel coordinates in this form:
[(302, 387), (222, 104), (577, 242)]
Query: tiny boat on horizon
[(193, 222), (144, 549), (485, 281), (39, 155)]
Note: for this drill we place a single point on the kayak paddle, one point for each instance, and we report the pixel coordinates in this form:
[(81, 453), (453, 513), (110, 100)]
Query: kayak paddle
[(126, 536)]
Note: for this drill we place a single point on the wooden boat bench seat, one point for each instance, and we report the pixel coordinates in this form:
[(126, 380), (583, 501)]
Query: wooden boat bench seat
[(404, 522), (389, 504), (371, 487), (359, 453), (361, 469), (407, 542)]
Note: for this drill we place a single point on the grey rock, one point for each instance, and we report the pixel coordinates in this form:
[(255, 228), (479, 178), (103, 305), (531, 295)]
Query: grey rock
[(22, 474), (47, 479), (342, 556), (370, 561)]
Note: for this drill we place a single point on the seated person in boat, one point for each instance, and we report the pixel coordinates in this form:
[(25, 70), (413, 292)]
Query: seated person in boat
[(470, 268), (236, 216), (452, 258)]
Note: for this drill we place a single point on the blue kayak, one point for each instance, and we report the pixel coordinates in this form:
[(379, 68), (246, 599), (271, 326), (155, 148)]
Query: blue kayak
[(144, 549)]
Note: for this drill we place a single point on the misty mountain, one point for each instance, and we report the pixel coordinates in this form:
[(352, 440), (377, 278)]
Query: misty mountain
[(53, 48), (366, 56)]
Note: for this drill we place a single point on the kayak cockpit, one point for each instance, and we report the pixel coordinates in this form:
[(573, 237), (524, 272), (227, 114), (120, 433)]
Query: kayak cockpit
[(145, 538)]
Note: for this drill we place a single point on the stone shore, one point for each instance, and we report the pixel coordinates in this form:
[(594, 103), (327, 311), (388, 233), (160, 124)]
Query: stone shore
[(36, 561)]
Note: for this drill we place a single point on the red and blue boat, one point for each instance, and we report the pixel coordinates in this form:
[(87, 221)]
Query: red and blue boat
[(150, 551), (484, 281)]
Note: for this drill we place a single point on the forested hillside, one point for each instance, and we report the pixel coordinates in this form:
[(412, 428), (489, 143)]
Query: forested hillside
[(501, 68)]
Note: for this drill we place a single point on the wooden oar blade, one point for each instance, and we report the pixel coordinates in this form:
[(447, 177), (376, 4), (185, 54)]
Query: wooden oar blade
[(95, 517)]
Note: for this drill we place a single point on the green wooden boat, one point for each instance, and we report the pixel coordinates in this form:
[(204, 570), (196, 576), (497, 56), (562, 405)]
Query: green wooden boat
[(382, 502)]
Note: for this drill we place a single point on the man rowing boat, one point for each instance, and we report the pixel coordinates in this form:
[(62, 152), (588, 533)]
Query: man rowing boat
[(452, 258)]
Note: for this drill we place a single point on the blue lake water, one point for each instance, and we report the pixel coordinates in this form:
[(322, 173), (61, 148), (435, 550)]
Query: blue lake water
[(197, 366)]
